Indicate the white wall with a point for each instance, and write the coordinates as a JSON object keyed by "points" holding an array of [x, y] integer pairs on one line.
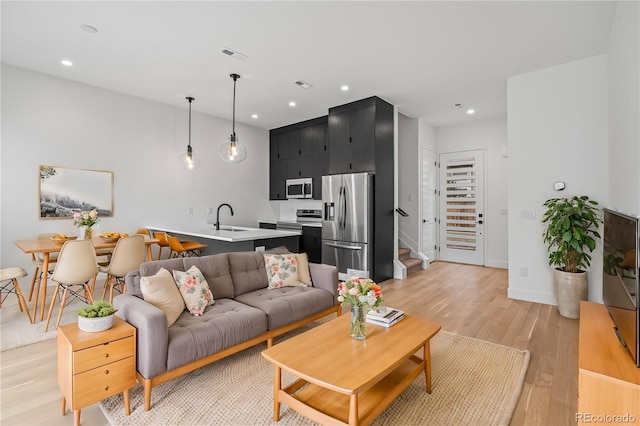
{"points": [[557, 131], [47, 120], [491, 136], [624, 109], [408, 181]]}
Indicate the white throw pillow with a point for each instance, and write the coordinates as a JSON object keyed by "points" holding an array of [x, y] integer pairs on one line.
{"points": [[282, 270], [194, 289], [160, 290]]}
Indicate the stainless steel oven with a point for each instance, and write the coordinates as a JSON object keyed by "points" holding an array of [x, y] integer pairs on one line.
{"points": [[300, 188]]}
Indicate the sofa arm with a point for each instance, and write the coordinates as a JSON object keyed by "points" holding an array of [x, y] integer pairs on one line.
{"points": [[152, 333], [325, 277], [132, 282]]}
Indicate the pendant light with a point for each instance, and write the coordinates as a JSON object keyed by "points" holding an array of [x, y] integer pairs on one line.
{"points": [[233, 152], [187, 160]]}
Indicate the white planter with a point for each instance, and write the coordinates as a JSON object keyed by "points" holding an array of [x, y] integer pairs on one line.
{"points": [[570, 289], [94, 325]]}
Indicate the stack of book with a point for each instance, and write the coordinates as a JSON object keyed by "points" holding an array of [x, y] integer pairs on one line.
{"points": [[384, 316]]}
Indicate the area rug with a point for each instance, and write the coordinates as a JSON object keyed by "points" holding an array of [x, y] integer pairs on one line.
{"points": [[474, 382], [16, 330]]}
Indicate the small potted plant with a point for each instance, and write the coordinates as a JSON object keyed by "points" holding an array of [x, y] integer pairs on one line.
{"points": [[571, 230], [96, 317]]}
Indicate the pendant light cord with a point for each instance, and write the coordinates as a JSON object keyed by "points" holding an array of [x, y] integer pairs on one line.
{"points": [[190, 99], [234, 105]]}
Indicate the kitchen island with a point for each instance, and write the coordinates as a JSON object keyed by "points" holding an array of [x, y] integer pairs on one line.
{"points": [[235, 238]]}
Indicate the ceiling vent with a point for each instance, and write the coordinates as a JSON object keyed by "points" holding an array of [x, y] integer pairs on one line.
{"points": [[234, 53], [303, 84]]}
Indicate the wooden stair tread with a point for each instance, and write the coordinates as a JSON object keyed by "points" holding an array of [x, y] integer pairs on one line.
{"points": [[411, 262]]}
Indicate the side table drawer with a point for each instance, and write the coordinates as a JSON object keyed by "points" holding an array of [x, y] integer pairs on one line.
{"points": [[104, 381], [95, 356]]}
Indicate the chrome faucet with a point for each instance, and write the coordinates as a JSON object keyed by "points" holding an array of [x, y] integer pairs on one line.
{"points": [[218, 214]]}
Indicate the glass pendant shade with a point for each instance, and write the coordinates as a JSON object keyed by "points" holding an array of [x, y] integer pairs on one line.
{"points": [[187, 160], [233, 151]]}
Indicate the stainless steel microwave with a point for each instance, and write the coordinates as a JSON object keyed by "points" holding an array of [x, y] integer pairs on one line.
{"points": [[300, 188]]}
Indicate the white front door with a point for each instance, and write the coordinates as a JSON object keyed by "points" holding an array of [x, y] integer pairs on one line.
{"points": [[429, 200], [461, 207]]}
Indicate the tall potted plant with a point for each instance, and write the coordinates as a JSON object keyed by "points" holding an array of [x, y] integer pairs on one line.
{"points": [[571, 230]]}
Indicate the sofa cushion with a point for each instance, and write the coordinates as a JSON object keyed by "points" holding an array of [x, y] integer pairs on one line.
{"points": [[225, 324], [286, 305], [282, 270], [194, 289], [247, 271], [161, 291], [215, 269]]}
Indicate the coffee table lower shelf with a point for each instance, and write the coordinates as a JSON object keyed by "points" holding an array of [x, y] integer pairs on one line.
{"points": [[328, 406]]}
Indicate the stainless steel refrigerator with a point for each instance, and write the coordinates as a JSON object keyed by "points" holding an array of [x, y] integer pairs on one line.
{"points": [[347, 222]]}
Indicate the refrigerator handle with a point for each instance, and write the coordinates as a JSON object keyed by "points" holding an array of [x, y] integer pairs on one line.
{"points": [[343, 246], [328, 211], [343, 207]]}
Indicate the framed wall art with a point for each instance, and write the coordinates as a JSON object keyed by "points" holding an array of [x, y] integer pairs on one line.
{"points": [[65, 191]]}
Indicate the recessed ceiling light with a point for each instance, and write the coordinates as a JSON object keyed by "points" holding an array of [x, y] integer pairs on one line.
{"points": [[292, 104], [344, 88], [66, 63], [254, 115], [471, 111], [88, 29]]}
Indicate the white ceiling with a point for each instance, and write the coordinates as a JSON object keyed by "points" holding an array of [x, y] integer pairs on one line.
{"points": [[421, 56]]}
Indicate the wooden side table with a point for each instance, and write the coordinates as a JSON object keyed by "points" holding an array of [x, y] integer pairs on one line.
{"points": [[95, 366]]}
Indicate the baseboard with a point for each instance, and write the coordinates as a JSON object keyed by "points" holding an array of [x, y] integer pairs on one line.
{"points": [[497, 264], [531, 296]]}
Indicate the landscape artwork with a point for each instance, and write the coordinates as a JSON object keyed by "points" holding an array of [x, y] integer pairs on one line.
{"points": [[65, 191]]}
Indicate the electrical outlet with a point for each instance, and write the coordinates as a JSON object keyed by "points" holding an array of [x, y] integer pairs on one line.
{"points": [[504, 212], [189, 210], [527, 214], [209, 210], [524, 271]]}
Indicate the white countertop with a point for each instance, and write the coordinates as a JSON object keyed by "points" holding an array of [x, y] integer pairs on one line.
{"points": [[230, 233]]}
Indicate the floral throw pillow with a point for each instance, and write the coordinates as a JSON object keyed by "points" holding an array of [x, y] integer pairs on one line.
{"points": [[194, 289], [282, 270]]}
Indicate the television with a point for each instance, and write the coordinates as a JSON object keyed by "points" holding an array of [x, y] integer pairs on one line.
{"points": [[620, 281]]}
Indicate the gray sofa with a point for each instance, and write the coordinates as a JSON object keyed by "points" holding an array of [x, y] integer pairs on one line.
{"points": [[245, 313]]}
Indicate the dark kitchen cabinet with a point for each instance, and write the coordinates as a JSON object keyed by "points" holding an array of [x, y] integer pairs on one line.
{"points": [[311, 243], [298, 151], [278, 170], [354, 135]]}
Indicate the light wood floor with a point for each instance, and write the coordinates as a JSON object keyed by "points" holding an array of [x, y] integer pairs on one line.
{"points": [[467, 300]]}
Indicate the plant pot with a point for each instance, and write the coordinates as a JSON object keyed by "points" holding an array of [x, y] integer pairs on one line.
{"points": [[96, 324], [570, 288]]}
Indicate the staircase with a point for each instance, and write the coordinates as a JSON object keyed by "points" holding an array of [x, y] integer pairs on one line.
{"points": [[412, 264]]}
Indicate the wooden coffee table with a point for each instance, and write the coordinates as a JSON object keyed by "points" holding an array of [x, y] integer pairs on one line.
{"points": [[349, 381]]}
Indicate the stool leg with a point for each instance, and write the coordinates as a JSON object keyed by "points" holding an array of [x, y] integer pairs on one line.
{"points": [[21, 301]]}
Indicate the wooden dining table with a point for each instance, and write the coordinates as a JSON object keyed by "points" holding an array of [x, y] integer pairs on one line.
{"points": [[48, 246]]}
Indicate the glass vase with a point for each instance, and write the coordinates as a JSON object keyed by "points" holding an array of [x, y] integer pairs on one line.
{"points": [[86, 232], [358, 323]]}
